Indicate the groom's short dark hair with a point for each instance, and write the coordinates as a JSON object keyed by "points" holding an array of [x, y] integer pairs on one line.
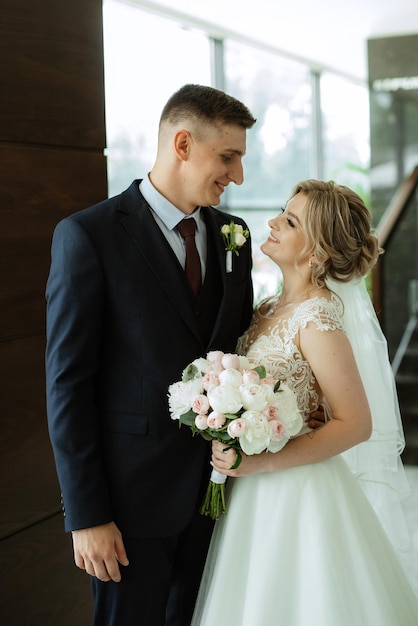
{"points": [[208, 104]]}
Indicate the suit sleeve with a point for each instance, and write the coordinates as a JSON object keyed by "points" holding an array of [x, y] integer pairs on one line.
{"points": [[74, 330]]}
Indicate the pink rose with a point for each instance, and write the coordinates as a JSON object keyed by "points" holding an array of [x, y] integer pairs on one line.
{"points": [[230, 361], [236, 428], [201, 422], [277, 430], [271, 412], [216, 420], [250, 377], [215, 368], [200, 404], [210, 380]]}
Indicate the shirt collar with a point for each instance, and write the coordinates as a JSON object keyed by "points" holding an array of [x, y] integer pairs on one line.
{"points": [[166, 211]]}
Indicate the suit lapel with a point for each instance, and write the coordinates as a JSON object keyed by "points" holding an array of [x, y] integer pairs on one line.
{"points": [[157, 253], [214, 222]]}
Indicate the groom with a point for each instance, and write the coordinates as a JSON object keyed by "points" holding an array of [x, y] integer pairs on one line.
{"points": [[122, 323]]}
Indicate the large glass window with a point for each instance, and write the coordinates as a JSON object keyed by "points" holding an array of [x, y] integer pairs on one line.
{"points": [[346, 134], [278, 147], [278, 155], [147, 58]]}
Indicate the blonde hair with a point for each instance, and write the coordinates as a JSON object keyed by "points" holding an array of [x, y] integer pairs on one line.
{"points": [[338, 232]]}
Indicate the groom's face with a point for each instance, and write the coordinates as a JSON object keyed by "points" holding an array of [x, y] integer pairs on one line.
{"points": [[214, 160]]}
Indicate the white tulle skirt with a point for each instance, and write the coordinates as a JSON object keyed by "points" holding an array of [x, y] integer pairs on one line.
{"points": [[303, 547]]}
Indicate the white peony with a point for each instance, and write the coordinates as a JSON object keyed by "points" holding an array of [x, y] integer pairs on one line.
{"points": [[258, 433], [289, 414], [182, 395], [276, 445], [254, 397], [201, 364], [244, 363], [225, 399], [230, 376]]}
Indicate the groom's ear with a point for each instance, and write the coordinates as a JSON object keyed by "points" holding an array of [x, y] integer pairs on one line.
{"points": [[181, 144]]}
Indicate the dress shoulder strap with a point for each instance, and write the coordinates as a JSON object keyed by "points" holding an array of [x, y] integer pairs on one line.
{"points": [[326, 314]]}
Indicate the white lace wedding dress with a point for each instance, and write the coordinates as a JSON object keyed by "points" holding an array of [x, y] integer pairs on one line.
{"points": [[301, 546]]}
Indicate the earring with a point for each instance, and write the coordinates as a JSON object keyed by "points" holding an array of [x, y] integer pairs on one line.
{"points": [[310, 264]]}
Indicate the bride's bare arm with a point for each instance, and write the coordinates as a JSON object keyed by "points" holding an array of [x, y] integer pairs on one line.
{"points": [[331, 358]]}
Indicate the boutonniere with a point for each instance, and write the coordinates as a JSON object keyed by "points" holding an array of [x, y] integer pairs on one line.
{"points": [[234, 237]]}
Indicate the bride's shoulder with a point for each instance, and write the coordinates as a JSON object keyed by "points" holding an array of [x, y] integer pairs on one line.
{"points": [[324, 309]]}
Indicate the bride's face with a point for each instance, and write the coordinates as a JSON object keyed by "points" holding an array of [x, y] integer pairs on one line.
{"points": [[287, 239]]}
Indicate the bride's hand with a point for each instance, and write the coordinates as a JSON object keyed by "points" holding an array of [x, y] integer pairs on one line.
{"points": [[224, 458]]}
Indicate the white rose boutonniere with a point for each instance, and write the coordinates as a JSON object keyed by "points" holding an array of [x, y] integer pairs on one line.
{"points": [[234, 237]]}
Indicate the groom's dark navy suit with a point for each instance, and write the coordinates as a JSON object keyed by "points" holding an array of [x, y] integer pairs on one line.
{"points": [[121, 326]]}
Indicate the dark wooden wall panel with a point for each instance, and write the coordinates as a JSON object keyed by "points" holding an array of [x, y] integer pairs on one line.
{"points": [[28, 484], [52, 140], [38, 187], [34, 570], [52, 72]]}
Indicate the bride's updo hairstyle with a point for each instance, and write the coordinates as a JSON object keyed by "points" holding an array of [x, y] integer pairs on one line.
{"points": [[338, 232]]}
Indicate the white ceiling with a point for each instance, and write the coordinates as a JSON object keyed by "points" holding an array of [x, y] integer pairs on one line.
{"points": [[333, 33]]}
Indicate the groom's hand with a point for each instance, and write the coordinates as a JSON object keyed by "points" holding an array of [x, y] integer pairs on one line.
{"points": [[99, 550], [317, 418]]}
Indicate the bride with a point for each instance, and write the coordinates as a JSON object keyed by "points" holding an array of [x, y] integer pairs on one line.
{"points": [[301, 544]]}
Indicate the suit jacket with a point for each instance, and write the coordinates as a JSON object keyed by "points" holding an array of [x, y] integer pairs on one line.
{"points": [[121, 327]]}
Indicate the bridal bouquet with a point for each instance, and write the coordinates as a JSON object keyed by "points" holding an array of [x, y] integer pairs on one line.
{"points": [[223, 397]]}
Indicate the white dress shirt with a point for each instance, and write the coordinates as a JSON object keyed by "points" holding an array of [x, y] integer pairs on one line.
{"points": [[168, 216]]}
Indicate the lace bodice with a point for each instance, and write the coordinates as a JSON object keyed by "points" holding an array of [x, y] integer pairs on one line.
{"points": [[274, 342]]}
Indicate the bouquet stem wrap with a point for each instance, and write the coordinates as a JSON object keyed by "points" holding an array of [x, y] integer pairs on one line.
{"points": [[214, 501]]}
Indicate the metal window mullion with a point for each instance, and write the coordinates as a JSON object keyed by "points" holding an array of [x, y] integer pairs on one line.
{"points": [[317, 148]]}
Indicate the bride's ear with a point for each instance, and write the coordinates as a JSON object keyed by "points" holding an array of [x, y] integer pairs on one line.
{"points": [[312, 261]]}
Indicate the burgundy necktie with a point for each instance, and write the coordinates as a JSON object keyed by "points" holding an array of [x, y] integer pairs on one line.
{"points": [[187, 229]]}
